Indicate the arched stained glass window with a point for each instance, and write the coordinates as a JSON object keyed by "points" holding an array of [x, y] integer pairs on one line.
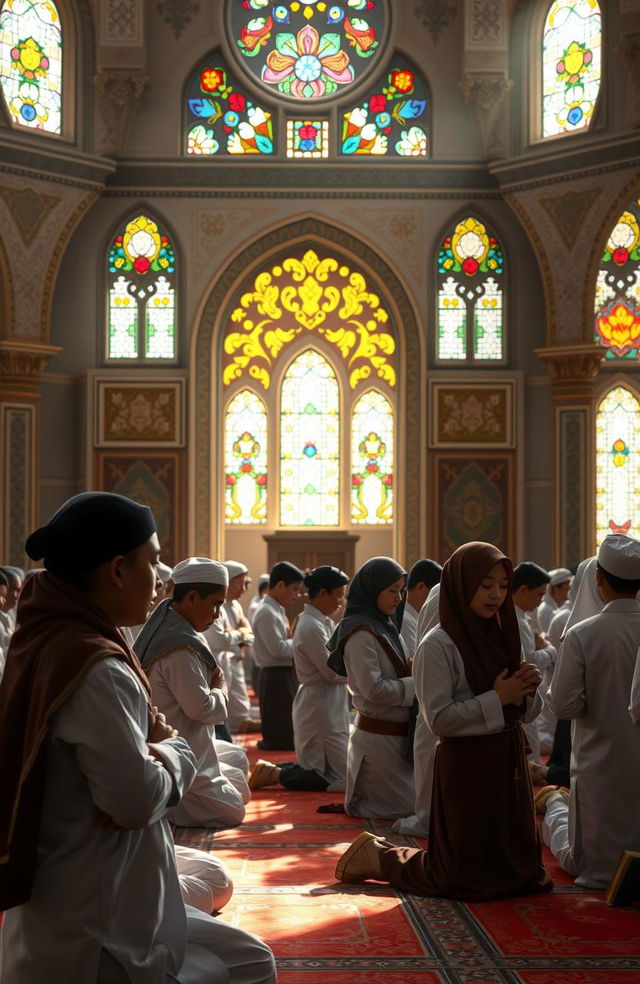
{"points": [[571, 61], [307, 50], [372, 460], [245, 459], [31, 63], [310, 443], [618, 464], [221, 118], [142, 293], [392, 119], [617, 300], [470, 318]]}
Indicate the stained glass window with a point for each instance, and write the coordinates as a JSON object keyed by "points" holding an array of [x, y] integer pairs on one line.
{"points": [[307, 138], [618, 464], [310, 443], [470, 315], [221, 117], [392, 120], [570, 65], [245, 459], [305, 49], [141, 293], [372, 460], [617, 300], [31, 63]]}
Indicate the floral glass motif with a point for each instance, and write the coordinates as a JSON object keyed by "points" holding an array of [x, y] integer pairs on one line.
{"points": [[571, 59], [31, 63], [142, 293], [310, 443], [372, 460], [617, 300], [391, 121], [470, 319], [307, 138], [618, 464], [221, 118], [308, 49], [245, 459]]}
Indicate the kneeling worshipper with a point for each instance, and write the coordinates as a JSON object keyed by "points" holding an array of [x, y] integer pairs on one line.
{"points": [[591, 687], [320, 708], [475, 691], [368, 649], [88, 875], [188, 687]]}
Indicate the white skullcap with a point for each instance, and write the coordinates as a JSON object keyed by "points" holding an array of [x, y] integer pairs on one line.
{"points": [[200, 570], [234, 567], [559, 575], [163, 571], [619, 555]]}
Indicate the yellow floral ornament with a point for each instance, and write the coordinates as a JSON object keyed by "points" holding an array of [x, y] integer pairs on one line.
{"points": [[470, 241], [309, 294], [141, 239]]}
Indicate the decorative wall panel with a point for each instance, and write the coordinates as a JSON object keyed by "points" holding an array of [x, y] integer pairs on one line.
{"points": [[574, 523], [473, 415], [154, 480], [18, 500], [131, 414], [473, 498]]}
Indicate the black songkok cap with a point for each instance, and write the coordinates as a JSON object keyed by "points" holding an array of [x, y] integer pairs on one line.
{"points": [[88, 530], [325, 576], [284, 571]]}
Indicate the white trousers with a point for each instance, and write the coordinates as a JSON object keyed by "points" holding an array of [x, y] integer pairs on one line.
{"points": [[555, 834], [205, 881]]}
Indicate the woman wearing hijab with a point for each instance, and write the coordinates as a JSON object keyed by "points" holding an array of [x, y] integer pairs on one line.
{"points": [[475, 692], [379, 775]]}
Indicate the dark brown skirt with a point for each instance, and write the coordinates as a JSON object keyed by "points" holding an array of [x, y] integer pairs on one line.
{"points": [[483, 836]]}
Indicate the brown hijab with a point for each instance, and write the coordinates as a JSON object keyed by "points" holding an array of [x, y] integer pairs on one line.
{"points": [[487, 645]]}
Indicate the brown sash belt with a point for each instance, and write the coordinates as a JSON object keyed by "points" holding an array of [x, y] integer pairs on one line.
{"points": [[378, 727]]}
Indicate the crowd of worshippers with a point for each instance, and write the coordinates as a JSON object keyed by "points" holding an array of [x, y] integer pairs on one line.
{"points": [[456, 701]]}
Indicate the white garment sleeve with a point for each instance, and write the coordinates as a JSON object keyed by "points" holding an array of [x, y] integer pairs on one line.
{"points": [[273, 639], [186, 676], [362, 659], [311, 639], [566, 696], [102, 720], [634, 700], [221, 637]]}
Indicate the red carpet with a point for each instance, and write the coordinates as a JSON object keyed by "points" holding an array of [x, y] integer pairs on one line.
{"points": [[282, 860]]}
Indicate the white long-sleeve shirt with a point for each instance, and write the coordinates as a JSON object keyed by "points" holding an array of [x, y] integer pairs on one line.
{"points": [[272, 645]]}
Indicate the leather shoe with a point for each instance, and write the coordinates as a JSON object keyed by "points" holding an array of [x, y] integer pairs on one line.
{"points": [[361, 860]]}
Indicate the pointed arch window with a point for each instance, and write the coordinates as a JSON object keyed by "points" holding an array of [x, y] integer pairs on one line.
{"points": [[310, 443], [617, 299], [141, 305], [372, 478], [245, 459], [31, 53], [470, 315], [571, 65], [618, 464]]}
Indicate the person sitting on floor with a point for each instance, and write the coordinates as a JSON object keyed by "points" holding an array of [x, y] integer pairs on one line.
{"points": [[188, 686], [475, 690], [273, 653], [591, 687], [89, 767], [320, 710]]}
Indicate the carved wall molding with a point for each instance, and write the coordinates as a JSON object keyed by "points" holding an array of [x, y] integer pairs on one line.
{"points": [[487, 93], [435, 15], [118, 92], [572, 369], [178, 14], [21, 366]]}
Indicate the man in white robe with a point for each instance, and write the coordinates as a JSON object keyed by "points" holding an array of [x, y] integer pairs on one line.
{"points": [[529, 586], [422, 577], [591, 686], [556, 594]]}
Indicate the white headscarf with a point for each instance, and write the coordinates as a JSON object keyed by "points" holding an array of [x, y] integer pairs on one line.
{"points": [[586, 600]]}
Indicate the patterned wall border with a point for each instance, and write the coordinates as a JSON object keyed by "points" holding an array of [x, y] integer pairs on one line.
{"points": [[574, 468], [17, 439], [204, 505], [140, 413], [459, 412]]}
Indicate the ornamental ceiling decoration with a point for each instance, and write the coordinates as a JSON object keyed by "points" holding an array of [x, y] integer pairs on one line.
{"points": [[303, 294]]}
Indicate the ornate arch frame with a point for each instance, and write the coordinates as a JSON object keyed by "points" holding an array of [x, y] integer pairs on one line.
{"points": [[205, 500]]}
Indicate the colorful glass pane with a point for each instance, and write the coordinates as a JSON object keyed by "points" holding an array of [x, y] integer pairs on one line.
{"points": [[392, 120], [372, 460], [31, 63], [142, 292], [470, 294], [307, 138], [617, 300], [618, 464], [571, 50], [221, 117], [245, 459], [307, 49], [310, 443]]}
